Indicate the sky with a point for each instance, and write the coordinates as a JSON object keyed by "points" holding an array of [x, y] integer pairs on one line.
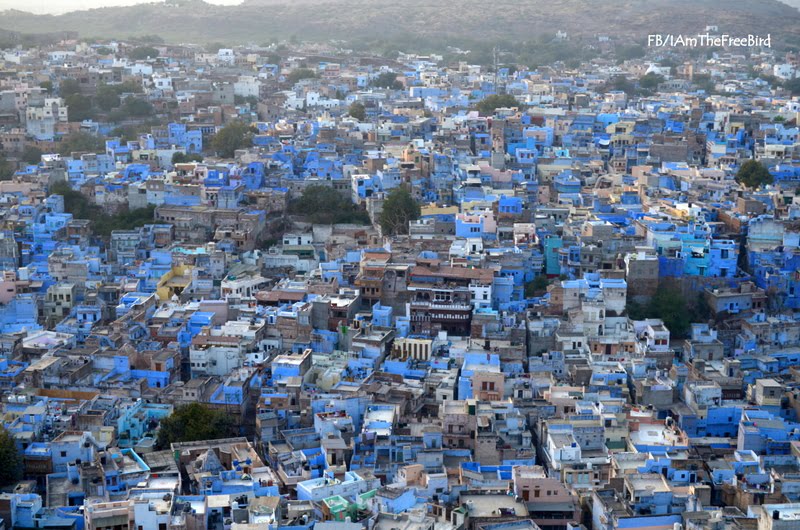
{"points": [[56, 7]]}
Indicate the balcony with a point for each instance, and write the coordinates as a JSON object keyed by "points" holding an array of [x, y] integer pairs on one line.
{"points": [[441, 306]]}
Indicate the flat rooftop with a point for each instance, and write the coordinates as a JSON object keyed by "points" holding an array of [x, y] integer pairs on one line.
{"points": [[492, 505]]}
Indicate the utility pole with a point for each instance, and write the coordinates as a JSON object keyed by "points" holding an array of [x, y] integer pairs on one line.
{"points": [[494, 58]]}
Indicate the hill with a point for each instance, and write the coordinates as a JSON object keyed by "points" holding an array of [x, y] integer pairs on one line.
{"points": [[9, 39], [423, 22]]}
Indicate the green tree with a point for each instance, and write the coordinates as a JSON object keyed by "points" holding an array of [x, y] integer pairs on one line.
{"points": [[753, 174], [669, 305], [79, 206], [107, 97], [136, 107], [10, 459], [103, 50], [793, 86], [537, 286], [69, 87], [195, 422], [214, 47], [131, 132], [387, 80], [299, 74], [650, 81], [235, 135], [357, 111], [48, 86], [489, 104], [80, 107], [321, 205], [81, 142], [619, 83], [704, 82], [630, 52], [6, 171], [184, 158], [151, 39], [32, 155], [143, 52], [398, 209]]}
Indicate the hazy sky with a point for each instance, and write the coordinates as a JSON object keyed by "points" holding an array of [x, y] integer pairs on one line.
{"points": [[63, 6]]}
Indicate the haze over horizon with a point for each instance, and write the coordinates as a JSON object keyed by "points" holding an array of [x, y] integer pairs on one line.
{"points": [[58, 7]]}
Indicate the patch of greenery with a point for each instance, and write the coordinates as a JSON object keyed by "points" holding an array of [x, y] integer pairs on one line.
{"points": [[103, 224], [81, 142], [184, 158], [754, 174], [32, 155], [399, 209], [634, 51], [6, 171], [195, 422], [143, 52], [793, 86], [235, 135], [650, 81], [619, 83], [69, 87], [357, 111], [322, 205], [299, 74], [79, 107], [108, 95], [537, 286], [10, 459], [704, 82], [387, 80], [671, 306], [489, 104], [132, 107]]}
